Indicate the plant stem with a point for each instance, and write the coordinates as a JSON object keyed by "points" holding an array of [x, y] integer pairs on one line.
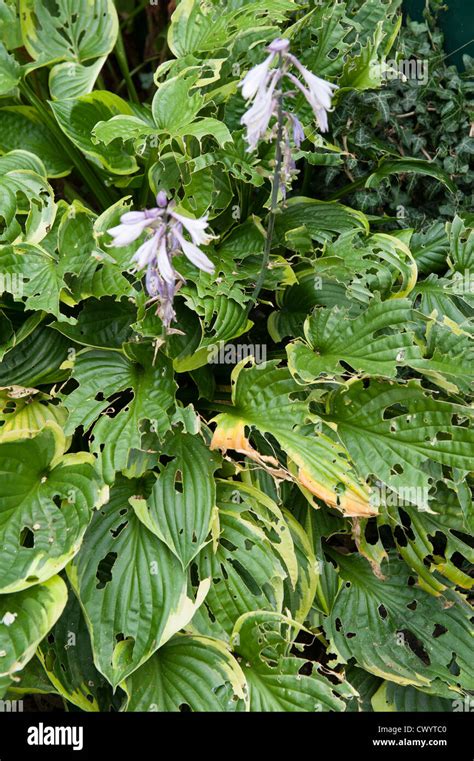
{"points": [[273, 204], [121, 57], [90, 178]]}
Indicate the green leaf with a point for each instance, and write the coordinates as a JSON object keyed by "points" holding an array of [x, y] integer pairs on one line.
{"points": [[101, 374], [180, 506], [318, 218], [262, 398], [24, 411], [36, 359], [32, 273], [32, 679], [195, 27], [69, 80], [248, 561], [77, 119], [133, 594], [25, 618], [188, 673], [101, 324], [375, 342], [394, 432], [388, 167], [398, 631], [411, 700], [67, 659], [174, 106], [10, 70], [60, 31], [40, 208], [22, 128], [277, 680], [436, 544], [47, 499]]}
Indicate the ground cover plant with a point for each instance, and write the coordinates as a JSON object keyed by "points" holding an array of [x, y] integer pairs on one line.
{"points": [[236, 352]]}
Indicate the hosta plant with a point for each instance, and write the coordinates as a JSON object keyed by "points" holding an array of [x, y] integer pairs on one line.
{"points": [[236, 443]]}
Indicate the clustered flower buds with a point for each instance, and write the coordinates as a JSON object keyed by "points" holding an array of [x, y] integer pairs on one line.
{"points": [[165, 228], [261, 86]]}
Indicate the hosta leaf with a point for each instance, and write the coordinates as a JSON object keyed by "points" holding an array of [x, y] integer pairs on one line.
{"points": [[40, 209], [196, 28], [261, 397], [66, 656], [318, 217], [393, 431], [22, 128], [134, 593], [398, 631], [26, 411], [102, 374], [34, 274], [32, 679], [69, 80], [19, 159], [461, 245], [449, 358], [25, 618], [102, 324], [47, 499], [189, 673], [10, 70], [223, 320], [246, 575], [179, 508], [430, 248], [406, 165], [36, 359], [174, 106], [278, 681], [60, 31], [365, 343], [441, 298], [411, 700], [435, 545], [77, 118]]}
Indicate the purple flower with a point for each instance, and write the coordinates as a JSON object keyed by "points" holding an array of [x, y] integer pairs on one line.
{"points": [[259, 86], [165, 240]]}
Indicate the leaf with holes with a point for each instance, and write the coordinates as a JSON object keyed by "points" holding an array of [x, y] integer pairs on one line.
{"points": [[61, 31], [277, 680], [401, 435], [262, 398], [189, 673], [134, 594], [25, 618], [101, 375], [47, 498], [180, 506], [399, 632], [377, 341]]}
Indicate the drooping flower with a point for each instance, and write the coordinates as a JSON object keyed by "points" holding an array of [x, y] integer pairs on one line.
{"points": [[260, 86], [165, 229]]}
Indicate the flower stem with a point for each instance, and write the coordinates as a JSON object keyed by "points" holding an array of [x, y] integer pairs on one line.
{"points": [[90, 178], [121, 57], [273, 204]]}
